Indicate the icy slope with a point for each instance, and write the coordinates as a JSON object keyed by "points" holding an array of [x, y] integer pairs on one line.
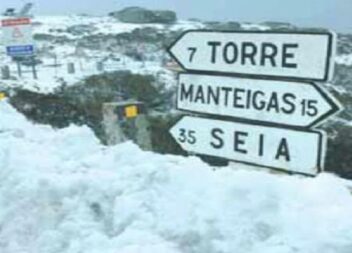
{"points": [[61, 192]]}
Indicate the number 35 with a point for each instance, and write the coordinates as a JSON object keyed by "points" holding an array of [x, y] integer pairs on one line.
{"points": [[187, 136]]}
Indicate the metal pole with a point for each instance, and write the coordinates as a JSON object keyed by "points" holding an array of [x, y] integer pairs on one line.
{"points": [[19, 70], [35, 76]]}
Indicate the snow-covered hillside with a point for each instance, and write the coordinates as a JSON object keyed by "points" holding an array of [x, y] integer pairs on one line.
{"points": [[58, 43], [62, 192], [87, 41], [61, 40]]}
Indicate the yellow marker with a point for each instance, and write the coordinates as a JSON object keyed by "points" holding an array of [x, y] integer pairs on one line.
{"points": [[2, 95], [131, 111]]}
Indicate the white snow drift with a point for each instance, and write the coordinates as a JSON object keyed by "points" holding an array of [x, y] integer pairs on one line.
{"points": [[62, 192]]}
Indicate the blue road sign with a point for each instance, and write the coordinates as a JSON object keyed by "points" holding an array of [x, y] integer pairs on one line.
{"points": [[20, 50]]}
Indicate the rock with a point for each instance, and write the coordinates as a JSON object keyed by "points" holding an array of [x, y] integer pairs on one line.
{"points": [[279, 25], [339, 129], [343, 78], [59, 30], [344, 44], [94, 42], [62, 39], [138, 15], [339, 155], [147, 35], [223, 26], [121, 41], [79, 30], [166, 17], [47, 109]]}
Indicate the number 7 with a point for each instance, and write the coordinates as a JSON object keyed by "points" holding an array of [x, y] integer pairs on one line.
{"points": [[193, 50]]}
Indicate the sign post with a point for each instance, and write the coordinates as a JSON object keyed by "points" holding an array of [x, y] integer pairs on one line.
{"points": [[19, 69], [262, 84], [17, 34], [34, 70]]}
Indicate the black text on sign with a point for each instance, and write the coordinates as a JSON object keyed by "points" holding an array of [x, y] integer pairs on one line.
{"points": [[270, 147], [303, 56]]}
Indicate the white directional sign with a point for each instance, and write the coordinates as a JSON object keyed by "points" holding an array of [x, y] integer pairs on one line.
{"points": [[17, 35], [289, 103], [290, 150], [303, 56]]}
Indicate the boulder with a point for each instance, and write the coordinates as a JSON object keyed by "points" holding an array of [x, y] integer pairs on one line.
{"points": [[223, 26], [344, 44], [62, 39], [279, 25], [339, 156], [138, 15], [79, 30]]}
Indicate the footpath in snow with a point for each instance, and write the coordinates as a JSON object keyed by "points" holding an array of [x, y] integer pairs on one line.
{"points": [[63, 192]]}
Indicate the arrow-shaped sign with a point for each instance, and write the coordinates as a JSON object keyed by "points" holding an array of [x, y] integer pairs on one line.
{"points": [[297, 55], [290, 150], [285, 103]]}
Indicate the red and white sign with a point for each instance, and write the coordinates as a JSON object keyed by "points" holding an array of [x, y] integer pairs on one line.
{"points": [[15, 22], [17, 32]]}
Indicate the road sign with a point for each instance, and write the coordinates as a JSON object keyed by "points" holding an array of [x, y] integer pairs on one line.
{"points": [[20, 50], [13, 22], [284, 149], [17, 34], [287, 103], [293, 55]]}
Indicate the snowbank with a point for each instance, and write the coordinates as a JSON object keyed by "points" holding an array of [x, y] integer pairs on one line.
{"points": [[62, 192], [345, 59]]}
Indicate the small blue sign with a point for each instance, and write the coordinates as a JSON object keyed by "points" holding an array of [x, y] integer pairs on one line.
{"points": [[20, 50]]}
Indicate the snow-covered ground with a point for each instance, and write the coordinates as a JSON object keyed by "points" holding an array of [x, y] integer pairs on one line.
{"points": [[344, 59], [102, 24], [50, 77], [63, 192], [85, 60]]}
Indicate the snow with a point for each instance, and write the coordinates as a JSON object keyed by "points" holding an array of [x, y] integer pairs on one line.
{"points": [[345, 59], [101, 24], [50, 78], [85, 61], [251, 26], [63, 192]]}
